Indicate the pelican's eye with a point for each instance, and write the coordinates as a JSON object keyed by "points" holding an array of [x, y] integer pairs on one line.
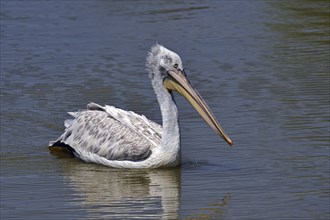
{"points": [[175, 65]]}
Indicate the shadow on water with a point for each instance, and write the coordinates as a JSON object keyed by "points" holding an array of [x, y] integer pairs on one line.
{"points": [[215, 210], [105, 193], [117, 194]]}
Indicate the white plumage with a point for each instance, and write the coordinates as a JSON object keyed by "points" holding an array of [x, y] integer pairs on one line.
{"points": [[123, 139]]}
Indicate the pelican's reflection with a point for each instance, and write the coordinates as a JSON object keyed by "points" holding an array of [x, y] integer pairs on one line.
{"points": [[119, 194]]}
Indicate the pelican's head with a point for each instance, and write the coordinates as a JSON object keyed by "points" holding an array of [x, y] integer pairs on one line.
{"points": [[165, 66]]}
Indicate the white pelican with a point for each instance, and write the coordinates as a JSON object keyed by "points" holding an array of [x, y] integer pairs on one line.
{"points": [[123, 139]]}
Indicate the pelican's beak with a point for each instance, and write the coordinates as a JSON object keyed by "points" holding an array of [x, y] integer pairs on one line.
{"points": [[177, 81]]}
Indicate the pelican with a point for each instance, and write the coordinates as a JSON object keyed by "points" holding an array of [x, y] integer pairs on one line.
{"points": [[123, 139]]}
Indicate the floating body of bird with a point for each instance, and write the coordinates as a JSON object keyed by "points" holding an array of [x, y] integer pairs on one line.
{"points": [[123, 139]]}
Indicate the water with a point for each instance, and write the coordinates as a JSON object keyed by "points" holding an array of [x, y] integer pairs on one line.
{"points": [[262, 66]]}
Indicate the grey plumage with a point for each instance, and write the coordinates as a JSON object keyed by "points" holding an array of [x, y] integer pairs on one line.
{"points": [[96, 130]]}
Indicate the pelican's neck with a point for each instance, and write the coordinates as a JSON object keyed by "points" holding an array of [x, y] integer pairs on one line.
{"points": [[170, 143]]}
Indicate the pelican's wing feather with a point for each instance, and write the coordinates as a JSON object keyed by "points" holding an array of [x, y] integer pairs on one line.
{"points": [[111, 133]]}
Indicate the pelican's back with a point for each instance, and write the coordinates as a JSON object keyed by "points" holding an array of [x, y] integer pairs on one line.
{"points": [[111, 133]]}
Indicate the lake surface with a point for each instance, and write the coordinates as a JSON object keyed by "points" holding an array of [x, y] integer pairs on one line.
{"points": [[262, 66]]}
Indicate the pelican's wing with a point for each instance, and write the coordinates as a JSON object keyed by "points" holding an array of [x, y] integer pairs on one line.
{"points": [[111, 133]]}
